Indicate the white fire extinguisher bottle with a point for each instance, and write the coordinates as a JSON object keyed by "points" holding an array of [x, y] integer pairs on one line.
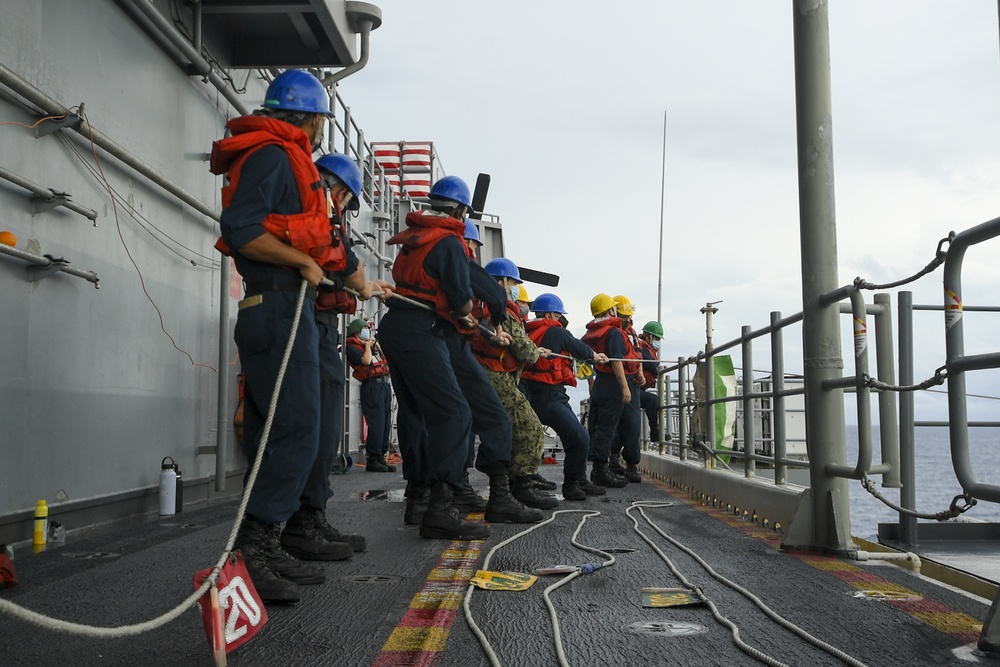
{"points": [[168, 487]]}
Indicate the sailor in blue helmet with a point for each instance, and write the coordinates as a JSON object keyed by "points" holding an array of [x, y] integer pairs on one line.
{"points": [[440, 388], [503, 366], [472, 239], [272, 187], [544, 384], [308, 532]]}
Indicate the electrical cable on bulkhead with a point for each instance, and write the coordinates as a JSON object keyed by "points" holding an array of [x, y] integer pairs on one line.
{"points": [[144, 223], [585, 569], [59, 625], [121, 237], [770, 613]]}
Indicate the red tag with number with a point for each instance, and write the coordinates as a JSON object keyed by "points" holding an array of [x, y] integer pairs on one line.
{"points": [[242, 611]]}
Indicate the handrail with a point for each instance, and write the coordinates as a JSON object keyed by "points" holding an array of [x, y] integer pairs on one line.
{"points": [[45, 266], [957, 363], [49, 198]]}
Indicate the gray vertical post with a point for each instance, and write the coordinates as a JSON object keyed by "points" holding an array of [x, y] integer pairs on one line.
{"points": [[662, 412], [682, 412], [222, 388], [778, 430], [885, 366], [709, 407], [347, 130], [822, 361], [748, 439], [907, 448]]}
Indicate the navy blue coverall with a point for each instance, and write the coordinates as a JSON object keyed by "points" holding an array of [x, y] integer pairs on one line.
{"points": [[551, 403], [263, 326], [606, 405], [436, 378]]}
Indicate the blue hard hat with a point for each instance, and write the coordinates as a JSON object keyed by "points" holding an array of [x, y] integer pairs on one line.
{"points": [[297, 90], [501, 267], [548, 303], [453, 189], [471, 231], [347, 171]]}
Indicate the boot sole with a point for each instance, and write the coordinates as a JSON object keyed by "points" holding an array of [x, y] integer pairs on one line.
{"points": [[469, 509], [548, 503], [342, 554], [507, 518], [290, 598]]}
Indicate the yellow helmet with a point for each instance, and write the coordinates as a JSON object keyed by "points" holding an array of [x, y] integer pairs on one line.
{"points": [[601, 303], [624, 306], [522, 294]]}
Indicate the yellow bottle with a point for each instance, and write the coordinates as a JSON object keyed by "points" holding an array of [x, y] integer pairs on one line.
{"points": [[41, 523]]}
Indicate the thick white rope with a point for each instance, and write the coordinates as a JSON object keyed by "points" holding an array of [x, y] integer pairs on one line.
{"points": [[487, 648], [17, 611], [773, 615]]}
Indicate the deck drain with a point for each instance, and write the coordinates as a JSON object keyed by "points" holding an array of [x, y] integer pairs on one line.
{"points": [[667, 628], [91, 555], [372, 579], [886, 596]]}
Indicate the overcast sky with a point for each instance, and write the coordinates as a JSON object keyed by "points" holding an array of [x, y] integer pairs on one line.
{"points": [[562, 103]]}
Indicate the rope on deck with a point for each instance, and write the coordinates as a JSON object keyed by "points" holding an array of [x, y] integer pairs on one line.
{"points": [[50, 623]]}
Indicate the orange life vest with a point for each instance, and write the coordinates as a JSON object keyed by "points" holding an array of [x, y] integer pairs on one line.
{"points": [[495, 358], [551, 370], [649, 354], [309, 231], [597, 338], [378, 367], [424, 231], [634, 352]]}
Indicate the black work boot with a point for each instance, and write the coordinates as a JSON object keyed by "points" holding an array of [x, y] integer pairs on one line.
{"points": [[443, 522], [571, 490], [285, 565], [632, 474], [602, 476], [542, 483], [303, 539], [503, 507], [251, 540], [417, 495], [331, 534], [591, 489], [378, 464], [525, 490], [465, 499]]}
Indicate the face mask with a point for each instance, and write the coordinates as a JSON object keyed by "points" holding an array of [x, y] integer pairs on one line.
{"points": [[514, 292], [655, 344], [523, 309], [365, 334], [317, 141]]}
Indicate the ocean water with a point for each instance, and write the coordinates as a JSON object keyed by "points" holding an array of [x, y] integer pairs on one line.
{"points": [[936, 484]]}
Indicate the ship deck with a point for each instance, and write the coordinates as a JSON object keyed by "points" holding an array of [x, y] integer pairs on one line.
{"points": [[400, 602]]}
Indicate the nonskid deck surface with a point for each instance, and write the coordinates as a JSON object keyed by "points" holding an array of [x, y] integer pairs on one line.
{"points": [[400, 602]]}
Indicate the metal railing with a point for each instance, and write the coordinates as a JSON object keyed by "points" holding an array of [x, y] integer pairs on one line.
{"points": [[759, 432]]}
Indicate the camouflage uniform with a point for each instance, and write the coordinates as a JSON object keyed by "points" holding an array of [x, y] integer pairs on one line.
{"points": [[529, 436]]}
